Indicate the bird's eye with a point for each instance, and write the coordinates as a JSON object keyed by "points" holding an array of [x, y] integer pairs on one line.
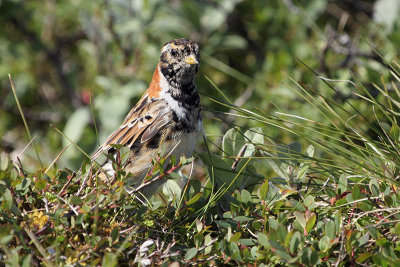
{"points": [[174, 53]]}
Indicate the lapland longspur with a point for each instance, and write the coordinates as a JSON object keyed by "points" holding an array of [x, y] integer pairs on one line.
{"points": [[168, 113]]}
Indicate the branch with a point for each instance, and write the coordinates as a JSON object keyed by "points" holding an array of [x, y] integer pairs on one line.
{"points": [[153, 180]]}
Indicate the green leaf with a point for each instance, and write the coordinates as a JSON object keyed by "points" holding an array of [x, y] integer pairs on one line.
{"points": [[349, 198], [4, 159], [252, 138], [374, 187], [6, 234], [110, 259], [257, 226], [173, 189], [7, 199], [114, 233], [310, 151], [309, 202], [302, 172], [245, 196], [24, 184], [381, 260], [301, 219], [395, 132], [27, 261], [363, 240], [235, 251], [255, 135], [324, 244], [86, 208], [281, 233], [309, 257], [263, 191], [212, 18], [198, 239], [356, 193], [288, 237], [340, 202], [113, 107], [263, 240], [295, 242], [184, 160], [194, 199], [218, 168], [396, 229], [311, 222], [6, 239], [223, 224], [279, 250], [329, 192], [13, 260], [330, 229], [175, 175], [273, 224], [124, 152], [41, 184], [278, 166], [76, 200], [373, 231], [246, 242], [227, 215], [207, 240], [190, 253], [342, 184], [242, 219], [283, 152], [235, 237], [363, 257], [381, 241], [232, 142]]}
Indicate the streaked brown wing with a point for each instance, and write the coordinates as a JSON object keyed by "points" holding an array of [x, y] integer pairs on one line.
{"points": [[141, 125]]}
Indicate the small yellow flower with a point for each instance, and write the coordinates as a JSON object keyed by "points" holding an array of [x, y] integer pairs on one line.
{"points": [[38, 219]]}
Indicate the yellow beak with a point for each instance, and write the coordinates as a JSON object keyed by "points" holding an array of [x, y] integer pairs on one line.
{"points": [[191, 60]]}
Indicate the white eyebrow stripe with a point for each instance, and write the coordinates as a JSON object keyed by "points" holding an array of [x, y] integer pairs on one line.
{"points": [[166, 48]]}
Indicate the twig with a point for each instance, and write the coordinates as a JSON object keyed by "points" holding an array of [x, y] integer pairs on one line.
{"points": [[341, 252], [69, 205], [208, 244], [239, 157], [84, 181], [38, 246], [183, 192], [378, 210], [46, 202], [58, 156], [159, 177], [23, 119], [21, 168], [65, 185]]}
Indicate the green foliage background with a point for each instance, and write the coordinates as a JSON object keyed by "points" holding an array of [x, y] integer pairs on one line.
{"points": [[79, 66]]}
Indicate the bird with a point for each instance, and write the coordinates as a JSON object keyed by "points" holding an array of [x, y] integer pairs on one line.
{"points": [[167, 114]]}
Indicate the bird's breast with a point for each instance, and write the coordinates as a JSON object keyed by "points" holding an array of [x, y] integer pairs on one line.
{"points": [[183, 143]]}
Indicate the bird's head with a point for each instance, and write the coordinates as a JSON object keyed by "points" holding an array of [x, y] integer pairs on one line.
{"points": [[179, 61]]}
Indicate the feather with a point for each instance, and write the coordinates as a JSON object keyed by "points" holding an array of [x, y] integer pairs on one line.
{"points": [[140, 125]]}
